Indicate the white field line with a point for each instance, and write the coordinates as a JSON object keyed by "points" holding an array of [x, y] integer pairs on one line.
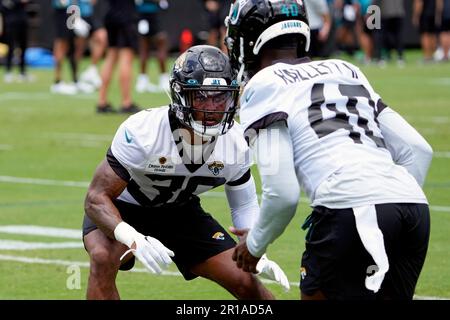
{"points": [[85, 140], [69, 263], [42, 231], [10, 96], [434, 119], [5, 147], [44, 182], [25, 245], [79, 136], [440, 81], [81, 184], [442, 154], [294, 285]]}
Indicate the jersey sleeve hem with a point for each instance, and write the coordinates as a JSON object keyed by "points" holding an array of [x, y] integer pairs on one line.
{"points": [[253, 130], [117, 166], [242, 180]]}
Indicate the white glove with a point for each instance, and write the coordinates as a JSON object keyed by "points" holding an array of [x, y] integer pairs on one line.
{"points": [[150, 251], [271, 270]]}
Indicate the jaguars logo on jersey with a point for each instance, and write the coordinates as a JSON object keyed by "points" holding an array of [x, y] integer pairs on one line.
{"points": [[218, 236], [215, 167]]}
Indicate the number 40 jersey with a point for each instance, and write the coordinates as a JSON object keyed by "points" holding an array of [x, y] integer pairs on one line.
{"points": [[331, 110]]}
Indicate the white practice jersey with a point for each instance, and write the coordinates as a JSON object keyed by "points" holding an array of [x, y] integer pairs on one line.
{"points": [[149, 147], [331, 111]]}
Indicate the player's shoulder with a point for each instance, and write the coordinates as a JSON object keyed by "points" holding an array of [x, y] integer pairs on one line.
{"points": [[143, 128], [343, 63], [143, 116], [236, 136], [146, 121], [263, 78], [137, 136]]}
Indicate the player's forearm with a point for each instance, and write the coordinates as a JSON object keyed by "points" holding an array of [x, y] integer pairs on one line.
{"points": [[280, 188], [101, 210], [276, 213], [243, 203], [407, 147]]}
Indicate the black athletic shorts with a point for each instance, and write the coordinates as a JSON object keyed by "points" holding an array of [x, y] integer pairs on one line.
{"points": [[95, 24], [427, 24], [216, 20], [191, 233], [445, 26], [60, 18], [154, 22], [122, 35], [336, 262]]}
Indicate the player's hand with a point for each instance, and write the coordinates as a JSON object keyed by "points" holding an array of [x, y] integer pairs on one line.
{"points": [[244, 259], [150, 251], [271, 270]]}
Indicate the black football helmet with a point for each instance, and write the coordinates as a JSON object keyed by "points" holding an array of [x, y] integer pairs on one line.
{"points": [[252, 23], [204, 91]]}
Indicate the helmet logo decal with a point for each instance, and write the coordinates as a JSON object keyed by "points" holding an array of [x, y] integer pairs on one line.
{"points": [[289, 11], [291, 24], [192, 81], [214, 82]]}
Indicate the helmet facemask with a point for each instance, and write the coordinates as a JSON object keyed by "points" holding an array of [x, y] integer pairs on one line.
{"points": [[211, 112], [204, 91]]}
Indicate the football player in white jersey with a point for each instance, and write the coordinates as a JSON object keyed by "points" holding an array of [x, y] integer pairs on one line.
{"points": [[142, 201], [319, 126]]}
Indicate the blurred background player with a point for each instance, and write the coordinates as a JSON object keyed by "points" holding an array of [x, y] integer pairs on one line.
{"points": [[320, 24], [365, 35], [444, 35], [390, 37], [217, 11], [98, 38], [425, 17], [67, 44], [346, 12], [150, 32], [120, 23], [61, 46], [15, 34]]}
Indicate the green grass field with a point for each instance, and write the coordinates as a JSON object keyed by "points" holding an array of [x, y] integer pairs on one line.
{"points": [[49, 140]]}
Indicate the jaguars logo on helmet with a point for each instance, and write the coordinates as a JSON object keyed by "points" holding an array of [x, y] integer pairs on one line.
{"points": [[204, 71], [252, 24]]}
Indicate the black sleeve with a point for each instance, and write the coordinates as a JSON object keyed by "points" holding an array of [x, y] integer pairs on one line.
{"points": [[245, 177], [381, 106], [263, 123], [117, 167]]}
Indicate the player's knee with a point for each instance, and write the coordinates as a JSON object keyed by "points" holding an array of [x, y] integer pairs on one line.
{"points": [[102, 260], [247, 287]]}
